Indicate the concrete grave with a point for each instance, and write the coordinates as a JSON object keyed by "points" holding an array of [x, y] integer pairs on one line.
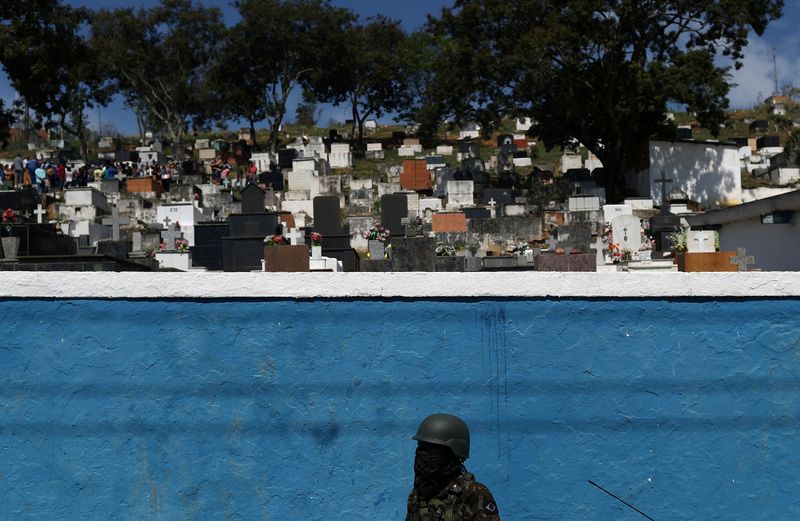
{"points": [[700, 241], [627, 232]]}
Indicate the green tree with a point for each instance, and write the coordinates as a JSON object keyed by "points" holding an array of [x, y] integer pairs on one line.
{"points": [[370, 75], [307, 112], [52, 65], [159, 57], [277, 46], [602, 72]]}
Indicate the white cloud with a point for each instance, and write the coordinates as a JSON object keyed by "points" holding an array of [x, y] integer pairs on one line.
{"points": [[756, 75]]}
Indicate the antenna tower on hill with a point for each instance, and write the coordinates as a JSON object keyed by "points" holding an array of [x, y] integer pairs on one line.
{"points": [[775, 91]]}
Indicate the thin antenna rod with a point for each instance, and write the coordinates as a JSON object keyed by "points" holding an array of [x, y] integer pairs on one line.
{"points": [[775, 92], [620, 499]]}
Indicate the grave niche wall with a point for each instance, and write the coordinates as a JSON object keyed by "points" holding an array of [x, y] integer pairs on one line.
{"points": [[667, 402]]}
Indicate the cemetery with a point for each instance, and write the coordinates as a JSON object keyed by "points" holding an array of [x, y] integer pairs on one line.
{"points": [[450, 200]]}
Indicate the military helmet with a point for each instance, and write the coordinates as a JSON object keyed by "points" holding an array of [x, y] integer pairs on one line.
{"points": [[445, 429]]}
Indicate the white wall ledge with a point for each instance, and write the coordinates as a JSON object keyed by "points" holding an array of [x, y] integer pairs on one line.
{"points": [[131, 285]]}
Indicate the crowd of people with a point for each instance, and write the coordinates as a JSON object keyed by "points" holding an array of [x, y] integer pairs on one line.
{"points": [[50, 175]]}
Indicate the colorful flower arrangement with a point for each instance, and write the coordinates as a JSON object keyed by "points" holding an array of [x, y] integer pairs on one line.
{"points": [[276, 240], [162, 246], [377, 233], [445, 250], [316, 239], [182, 245], [678, 238], [9, 216]]}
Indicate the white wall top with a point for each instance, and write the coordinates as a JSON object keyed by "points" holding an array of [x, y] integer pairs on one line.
{"points": [[133, 285]]}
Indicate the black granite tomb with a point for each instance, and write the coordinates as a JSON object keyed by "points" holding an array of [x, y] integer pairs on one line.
{"points": [[252, 199], [286, 156], [394, 208], [500, 195], [243, 249], [477, 213], [327, 215], [207, 251], [413, 254]]}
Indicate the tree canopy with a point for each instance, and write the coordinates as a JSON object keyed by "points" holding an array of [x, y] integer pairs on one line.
{"points": [[602, 72], [160, 57]]}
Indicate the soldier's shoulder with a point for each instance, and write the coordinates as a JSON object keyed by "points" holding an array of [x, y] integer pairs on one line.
{"points": [[477, 488], [479, 501]]}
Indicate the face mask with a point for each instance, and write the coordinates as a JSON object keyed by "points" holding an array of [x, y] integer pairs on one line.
{"points": [[434, 465]]}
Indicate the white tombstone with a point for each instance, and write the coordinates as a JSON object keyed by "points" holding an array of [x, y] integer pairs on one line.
{"points": [[340, 156], [584, 203], [433, 204], [174, 260], [592, 163], [639, 203], [374, 147], [361, 184], [388, 188], [405, 151], [524, 124], [202, 143], [301, 179], [460, 194], [626, 231], [444, 150], [371, 124], [262, 160], [515, 210], [86, 197], [610, 211], [700, 241], [522, 161], [412, 198], [571, 161], [185, 213], [304, 165]]}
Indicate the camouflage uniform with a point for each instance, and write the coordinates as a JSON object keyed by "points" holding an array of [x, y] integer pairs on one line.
{"points": [[464, 499]]}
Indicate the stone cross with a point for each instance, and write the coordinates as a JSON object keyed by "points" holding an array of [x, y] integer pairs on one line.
{"points": [[742, 259], [114, 221], [552, 243], [166, 221], [295, 237], [39, 213], [663, 181], [492, 203], [170, 235]]}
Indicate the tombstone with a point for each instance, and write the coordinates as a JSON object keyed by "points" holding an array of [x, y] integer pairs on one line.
{"points": [[413, 254], [286, 156], [327, 216], [574, 238], [459, 194], [610, 211], [253, 199], [243, 248], [394, 208], [207, 251], [661, 226], [477, 213], [700, 241], [443, 176], [469, 150], [627, 232], [115, 221], [505, 140]]}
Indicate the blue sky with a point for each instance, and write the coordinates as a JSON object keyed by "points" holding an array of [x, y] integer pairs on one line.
{"points": [[753, 79]]}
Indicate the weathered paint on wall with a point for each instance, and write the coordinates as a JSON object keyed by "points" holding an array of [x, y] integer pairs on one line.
{"points": [[284, 409]]}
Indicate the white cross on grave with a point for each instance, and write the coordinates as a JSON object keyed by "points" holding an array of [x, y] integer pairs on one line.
{"points": [[552, 243], [114, 221], [492, 203], [39, 213], [295, 237], [170, 235], [742, 259]]}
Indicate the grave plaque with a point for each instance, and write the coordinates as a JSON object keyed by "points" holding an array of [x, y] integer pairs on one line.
{"points": [[574, 237], [413, 254], [327, 215], [626, 231], [286, 258], [700, 241], [394, 208]]}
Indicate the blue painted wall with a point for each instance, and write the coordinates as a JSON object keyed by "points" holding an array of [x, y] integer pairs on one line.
{"points": [[284, 410]]}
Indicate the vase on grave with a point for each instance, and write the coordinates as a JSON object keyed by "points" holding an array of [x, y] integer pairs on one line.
{"points": [[316, 252], [411, 231], [377, 249], [10, 247]]}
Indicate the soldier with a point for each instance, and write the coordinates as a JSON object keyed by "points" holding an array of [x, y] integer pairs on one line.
{"points": [[443, 489]]}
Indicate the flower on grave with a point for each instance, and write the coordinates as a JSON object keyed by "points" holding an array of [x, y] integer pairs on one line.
{"points": [[606, 233], [276, 240], [647, 242], [678, 238], [316, 239], [615, 253], [181, 245], [377, 233], [9, 216], [626, 255], [445, 250]]}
